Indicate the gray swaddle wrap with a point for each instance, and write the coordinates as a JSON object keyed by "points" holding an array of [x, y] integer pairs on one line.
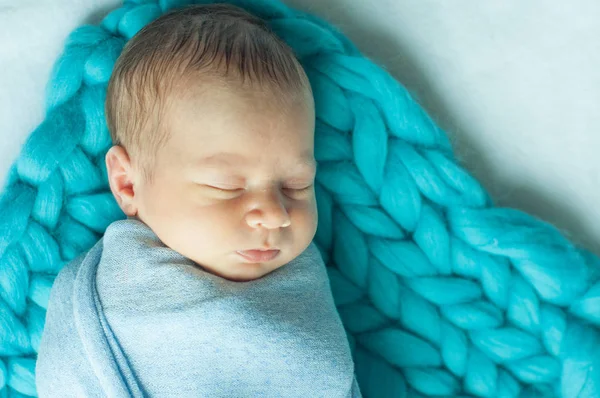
{"points": [[133, 317]]}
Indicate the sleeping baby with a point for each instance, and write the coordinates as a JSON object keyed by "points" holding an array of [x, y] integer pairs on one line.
{"points": [[212, 286]]}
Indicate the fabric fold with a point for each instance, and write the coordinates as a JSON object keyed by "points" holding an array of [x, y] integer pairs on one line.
{"points": [[148, 321]]}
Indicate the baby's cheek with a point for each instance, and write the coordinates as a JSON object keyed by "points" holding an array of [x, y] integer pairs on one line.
{"points": [[304, 219], [309, 208], [210, 215]]}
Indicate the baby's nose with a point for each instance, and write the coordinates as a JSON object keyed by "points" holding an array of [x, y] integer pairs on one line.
{"points": [[269, 218], [269, 212]]}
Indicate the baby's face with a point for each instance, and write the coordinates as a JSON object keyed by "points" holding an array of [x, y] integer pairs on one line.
{"points": [[237, 174]]}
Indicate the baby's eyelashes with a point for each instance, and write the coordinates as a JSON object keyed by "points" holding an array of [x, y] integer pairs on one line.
{"points": [[295, 190]]}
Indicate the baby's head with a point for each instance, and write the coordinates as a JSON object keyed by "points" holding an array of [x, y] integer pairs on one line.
{"points": [[212, 120]]}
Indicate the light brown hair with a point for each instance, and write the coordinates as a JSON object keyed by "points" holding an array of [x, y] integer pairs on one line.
{"points": [[221, 42]]}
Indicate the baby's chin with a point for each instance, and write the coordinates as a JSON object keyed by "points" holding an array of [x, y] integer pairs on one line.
{"points": [[241, 271], [246, 274]]}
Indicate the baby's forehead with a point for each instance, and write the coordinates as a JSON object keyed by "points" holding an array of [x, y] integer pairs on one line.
{"points": [[211, 89], [225, 117]]}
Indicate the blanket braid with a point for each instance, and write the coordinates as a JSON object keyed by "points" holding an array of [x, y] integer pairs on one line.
{"points": [[441, 292]]}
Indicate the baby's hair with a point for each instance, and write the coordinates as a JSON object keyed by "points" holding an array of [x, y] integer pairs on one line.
{"points": [[207, 42]]}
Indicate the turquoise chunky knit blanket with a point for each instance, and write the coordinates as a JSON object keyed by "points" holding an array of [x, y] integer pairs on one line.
{"points": [[441, 293]]}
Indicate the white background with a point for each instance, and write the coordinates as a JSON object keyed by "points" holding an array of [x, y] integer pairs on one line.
{"points": [[515, 84]]}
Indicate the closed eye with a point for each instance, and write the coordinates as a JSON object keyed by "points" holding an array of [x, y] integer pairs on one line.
{"points": [[300, 189], [225, 189], [234, 190]]}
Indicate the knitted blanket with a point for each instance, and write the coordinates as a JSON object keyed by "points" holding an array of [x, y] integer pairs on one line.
{"points": [[441, 292]]}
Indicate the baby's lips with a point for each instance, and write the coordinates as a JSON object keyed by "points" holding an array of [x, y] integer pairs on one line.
{"points": [[258, 255]]}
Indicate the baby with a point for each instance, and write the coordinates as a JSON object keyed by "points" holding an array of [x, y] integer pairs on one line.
{"points": [[202, 153], [212, 286]]}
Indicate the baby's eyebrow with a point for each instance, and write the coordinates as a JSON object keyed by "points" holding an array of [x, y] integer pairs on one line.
{"points": [[234, 159]]}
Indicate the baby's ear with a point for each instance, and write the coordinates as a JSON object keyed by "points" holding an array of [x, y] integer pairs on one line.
{"points": [[120, 178]]}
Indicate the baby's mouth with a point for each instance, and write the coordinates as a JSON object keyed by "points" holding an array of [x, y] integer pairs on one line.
{"points": [[258, 255]]}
